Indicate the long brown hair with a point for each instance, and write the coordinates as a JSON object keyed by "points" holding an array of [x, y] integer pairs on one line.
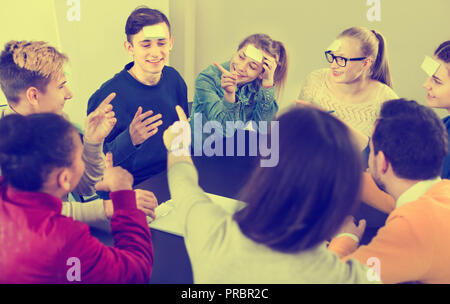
{"points": [[303, 201], [373, 45], [274, 48]]}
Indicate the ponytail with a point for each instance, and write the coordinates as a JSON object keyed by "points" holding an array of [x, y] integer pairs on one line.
{"points": [[380, 69], [373, 45], [282, 66]]}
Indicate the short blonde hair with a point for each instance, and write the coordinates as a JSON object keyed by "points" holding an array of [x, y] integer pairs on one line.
{"points": [[28, 63]]}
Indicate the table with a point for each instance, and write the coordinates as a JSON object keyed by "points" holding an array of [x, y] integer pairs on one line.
{"points": [[220, 175]]}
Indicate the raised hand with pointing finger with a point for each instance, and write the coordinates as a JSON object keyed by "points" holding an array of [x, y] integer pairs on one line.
{"points": [[144, 126], [228, 82], [244, 88], [177, 138], [114, 178], [100, 122]]}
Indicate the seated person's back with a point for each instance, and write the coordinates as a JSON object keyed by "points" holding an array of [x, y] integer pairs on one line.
{"points": [[40, 159], [291, 210]]}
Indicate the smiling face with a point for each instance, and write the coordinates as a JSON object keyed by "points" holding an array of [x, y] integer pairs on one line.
{"points": [[246, 68], [354, 70], [151, 54], [438, 86], [55, 96]]}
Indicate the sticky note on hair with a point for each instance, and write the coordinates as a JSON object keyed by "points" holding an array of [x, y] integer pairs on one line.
{"points": [[334, 46], [430, 66], [254, 53], [154, 32]]}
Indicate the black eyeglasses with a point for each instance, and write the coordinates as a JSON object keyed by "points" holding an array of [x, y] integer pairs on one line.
{"points": [[341, 61]]}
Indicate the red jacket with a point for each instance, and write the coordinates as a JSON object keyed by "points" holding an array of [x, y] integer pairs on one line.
{"points": [[39, 245]]}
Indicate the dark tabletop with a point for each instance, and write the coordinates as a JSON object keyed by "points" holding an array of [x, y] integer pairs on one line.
{"points": [[220, 175]]}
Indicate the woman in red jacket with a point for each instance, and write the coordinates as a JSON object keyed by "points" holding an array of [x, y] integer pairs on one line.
{"points": [[40, 159]]}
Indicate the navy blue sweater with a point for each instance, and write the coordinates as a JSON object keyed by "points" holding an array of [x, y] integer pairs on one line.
{"points": [[149, 158]]}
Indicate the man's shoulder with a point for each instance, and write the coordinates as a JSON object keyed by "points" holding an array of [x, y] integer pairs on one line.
{"points": [[117, 79], [6, 110], [3, 111], [109, 86], [172, 73], [440, 191], [437, 197], [170, 69], [446, 121]]}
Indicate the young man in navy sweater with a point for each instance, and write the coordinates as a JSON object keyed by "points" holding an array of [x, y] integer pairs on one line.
{"points": [[147, 92]]}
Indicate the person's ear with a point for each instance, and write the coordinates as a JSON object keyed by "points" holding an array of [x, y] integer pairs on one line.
{"points": [[383, 163], [171, 43], [129, 48], [367, 64], [64, 177], [32, 96]]}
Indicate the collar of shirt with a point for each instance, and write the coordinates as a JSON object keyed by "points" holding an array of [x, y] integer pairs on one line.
{"points": [[131, 77], [34, 200], [6, 111], [416, 191]]}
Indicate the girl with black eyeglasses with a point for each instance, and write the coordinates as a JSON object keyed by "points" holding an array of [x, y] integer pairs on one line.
{"points": [[357, 81]]}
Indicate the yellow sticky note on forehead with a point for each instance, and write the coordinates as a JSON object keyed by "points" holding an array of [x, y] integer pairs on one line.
{"points": [[154, 32], [430, 66], [334, 46], [254, 53]]}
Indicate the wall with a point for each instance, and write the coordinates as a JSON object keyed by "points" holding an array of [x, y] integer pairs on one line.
{"points": [[27, 20], [210, 30], [94, 44], [412, 29], [183, 23]]}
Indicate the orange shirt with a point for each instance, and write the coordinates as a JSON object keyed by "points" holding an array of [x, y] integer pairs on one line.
{"points": [[414, 244]]}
